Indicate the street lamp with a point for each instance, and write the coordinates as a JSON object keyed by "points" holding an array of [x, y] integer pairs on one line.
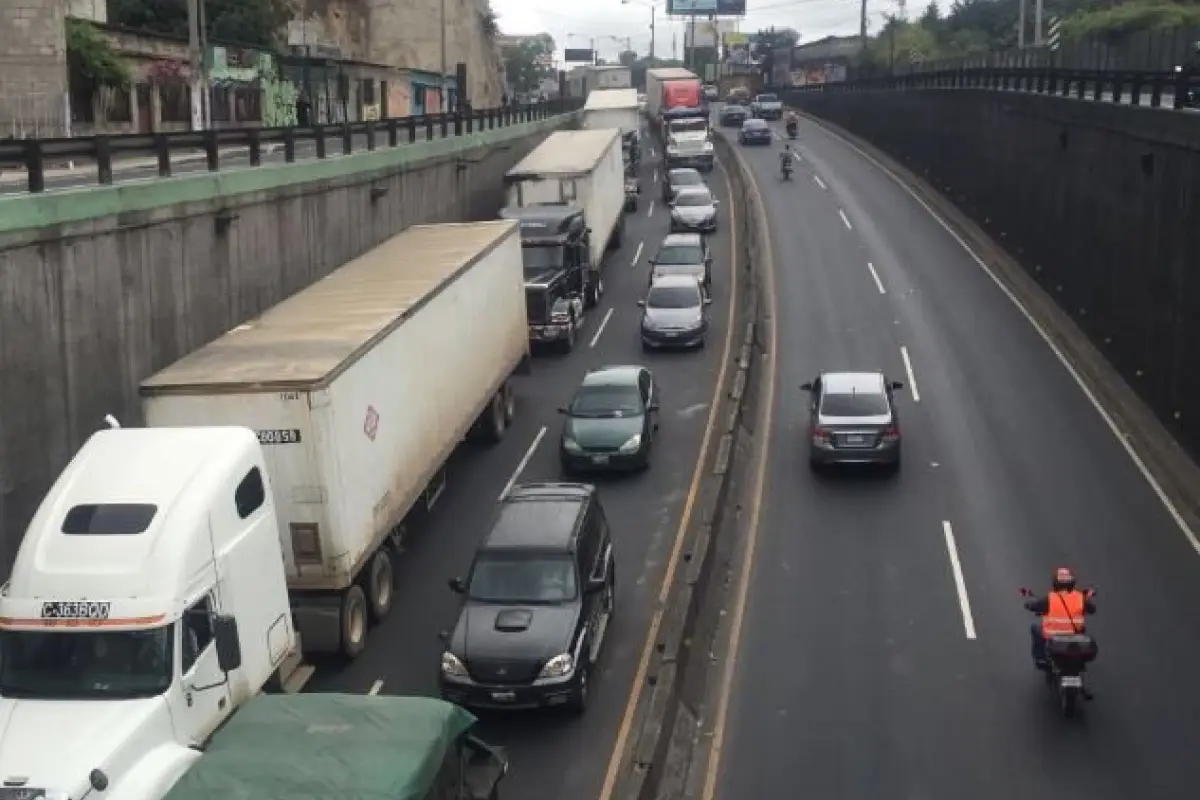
{"points": [[653, 11]]}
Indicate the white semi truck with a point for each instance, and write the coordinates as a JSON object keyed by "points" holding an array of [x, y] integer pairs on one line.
{"points": [[359, 388], [146, 604]]}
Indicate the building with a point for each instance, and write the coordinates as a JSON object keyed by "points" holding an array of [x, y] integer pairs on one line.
{"points": [[33, 70], [825, 60]]}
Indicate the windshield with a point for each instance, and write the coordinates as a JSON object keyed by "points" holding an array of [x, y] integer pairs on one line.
{"points": [[673, 297], [66, 665], [679, 254], [539, 259], [693, 199], [686, 178], [859, 404], [605, 401], [523, 579], [694, 126], [768, 98]]}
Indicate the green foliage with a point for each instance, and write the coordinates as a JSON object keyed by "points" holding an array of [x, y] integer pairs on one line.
{"points": [[92, 60], [259, 23], [1114, 23], [489, 23], [528, 62]]}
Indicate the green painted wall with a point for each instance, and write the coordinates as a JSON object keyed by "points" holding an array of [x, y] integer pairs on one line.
{"points": [[23, 212]]}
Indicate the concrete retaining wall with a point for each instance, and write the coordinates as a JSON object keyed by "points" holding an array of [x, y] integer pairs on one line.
{"points": [[101, 287]]}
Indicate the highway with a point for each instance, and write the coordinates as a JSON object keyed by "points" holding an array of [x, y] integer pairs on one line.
{"points": [[883, 650], [128, 170], [554, 755]]}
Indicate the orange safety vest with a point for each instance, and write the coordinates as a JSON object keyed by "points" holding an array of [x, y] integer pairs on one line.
{"points": [[1064, 614]]}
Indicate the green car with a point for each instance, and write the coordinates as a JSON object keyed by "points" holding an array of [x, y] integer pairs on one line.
{"points": [[611, 421]]}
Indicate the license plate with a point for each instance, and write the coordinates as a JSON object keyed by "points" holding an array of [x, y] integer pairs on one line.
{"points": [[856, 438], [599, 459], [504, 697], [1072, 682]]}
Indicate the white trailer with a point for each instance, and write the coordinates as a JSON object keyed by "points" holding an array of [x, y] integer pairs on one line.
{"points": [[612, 108], [581, 167], [655, 78], [359, 388], [583, 80]]}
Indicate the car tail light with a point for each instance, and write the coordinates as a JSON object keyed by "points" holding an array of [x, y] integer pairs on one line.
{"points": [[891, 434], [821, 435]]}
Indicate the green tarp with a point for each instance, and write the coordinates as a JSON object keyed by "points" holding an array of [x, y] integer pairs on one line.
{"points": [[326, 747]]}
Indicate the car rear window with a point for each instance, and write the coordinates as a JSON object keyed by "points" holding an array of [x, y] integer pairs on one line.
{"points": [[673, 297], [687, 178], [859, 404], [680, 254], [694, 198]]}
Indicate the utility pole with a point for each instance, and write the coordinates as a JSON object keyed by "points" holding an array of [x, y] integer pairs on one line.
{"points": [[653, 11], [1021, 25], [862, 24], [195, 84], [205, 90], [1038, 37], [442, 82]]}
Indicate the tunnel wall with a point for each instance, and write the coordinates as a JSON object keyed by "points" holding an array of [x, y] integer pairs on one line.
{"points": [[1099, 203], [118, 282]]}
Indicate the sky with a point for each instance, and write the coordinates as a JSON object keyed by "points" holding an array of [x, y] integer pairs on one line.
{"points": [[572, 24]]}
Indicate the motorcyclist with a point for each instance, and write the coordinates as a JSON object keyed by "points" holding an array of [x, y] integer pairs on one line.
{"points": [[1063, 612], [791, 122], [786, 157]]}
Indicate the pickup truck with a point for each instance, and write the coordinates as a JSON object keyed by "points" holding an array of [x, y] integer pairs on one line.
{"points": [[766, 106]]}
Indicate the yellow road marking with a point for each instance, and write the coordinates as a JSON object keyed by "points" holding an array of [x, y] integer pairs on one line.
{"points": [[755, 503], [639, 679]]}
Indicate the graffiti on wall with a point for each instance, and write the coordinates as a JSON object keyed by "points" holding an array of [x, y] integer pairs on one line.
{"points": [[254, 68]]}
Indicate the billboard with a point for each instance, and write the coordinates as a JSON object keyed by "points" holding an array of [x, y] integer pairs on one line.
{"points": [[707, 8], [577, 55]]}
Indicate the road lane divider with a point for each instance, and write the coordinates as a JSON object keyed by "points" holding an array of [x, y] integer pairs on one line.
{"points": [[845, 220], [650, 210], [960, 583], [819, 182], [1169, 472], [912, 376], [375, 687], [637, 256], [658, 725], [600, 329], [524, 462], [875, 276]]}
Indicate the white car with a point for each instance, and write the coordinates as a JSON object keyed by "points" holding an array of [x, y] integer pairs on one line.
{"points": [[766, 106]]}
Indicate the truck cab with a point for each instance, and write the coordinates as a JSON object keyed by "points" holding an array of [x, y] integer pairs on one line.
{"points": [[146, 603], [559, 280]]}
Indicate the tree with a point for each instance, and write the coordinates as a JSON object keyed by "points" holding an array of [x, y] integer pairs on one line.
{"points": [[529, 61], [931, 18], [259, 23], [91, 60], [627, 58]]}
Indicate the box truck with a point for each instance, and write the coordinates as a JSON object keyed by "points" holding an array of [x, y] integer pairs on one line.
{"points": [[571, 171], [612, 108], [673, 92], [356, 427], [147, 603]]}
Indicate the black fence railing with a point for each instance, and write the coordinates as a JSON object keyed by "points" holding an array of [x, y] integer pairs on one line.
{"points": [[1174, 89], [107, 151]]}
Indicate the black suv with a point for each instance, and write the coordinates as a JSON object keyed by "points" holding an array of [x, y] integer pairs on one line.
{"points": [[537, 602]]}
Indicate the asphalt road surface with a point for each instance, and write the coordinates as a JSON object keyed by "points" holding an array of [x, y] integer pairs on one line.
{"points": [[864, 669], [554, 755], [144, 169]]}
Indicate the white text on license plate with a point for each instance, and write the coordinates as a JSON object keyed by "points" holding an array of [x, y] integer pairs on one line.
{"points": [[504, 697], [599, 459], [856, 439], [1072, 681]]}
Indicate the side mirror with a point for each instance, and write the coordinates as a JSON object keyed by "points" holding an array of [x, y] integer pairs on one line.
{"points": [[562, 410], [897, 385], [807, 387], [229, 646], [641, 303], [444, 636], [708, 301], [654, 406], [595, 585], [457, 586], [716, 203]]}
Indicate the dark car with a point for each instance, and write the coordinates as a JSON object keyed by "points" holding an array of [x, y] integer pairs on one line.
{"points": [[694, 209], [755, 131], [733, 116], [674, 314], [683, 254], [536, 603], [853, 420], [633, 189], [676, 179], [611, 421]]}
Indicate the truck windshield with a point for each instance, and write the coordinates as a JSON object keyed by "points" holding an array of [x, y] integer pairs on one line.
{"points": [[67, 665], [539, 258], [768, 98]]}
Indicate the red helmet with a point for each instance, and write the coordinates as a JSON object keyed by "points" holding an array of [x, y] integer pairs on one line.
{"points": [[1064, 579]]}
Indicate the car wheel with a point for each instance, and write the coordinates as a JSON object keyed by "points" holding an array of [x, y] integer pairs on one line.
{"points": [[578, 701]]}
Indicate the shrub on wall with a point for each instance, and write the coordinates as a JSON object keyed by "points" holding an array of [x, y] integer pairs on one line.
{"points": [[92, 59]]}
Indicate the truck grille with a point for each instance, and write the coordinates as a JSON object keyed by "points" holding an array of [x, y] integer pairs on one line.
{"points": [[503, 672]]}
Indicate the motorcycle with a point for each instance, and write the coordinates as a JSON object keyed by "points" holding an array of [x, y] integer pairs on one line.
{"points": [[791, 130], [787, 170], [1067, 657]]}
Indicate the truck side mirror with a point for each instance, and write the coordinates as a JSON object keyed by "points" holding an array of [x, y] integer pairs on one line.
{"points": [[229, 646], [457, 586]]}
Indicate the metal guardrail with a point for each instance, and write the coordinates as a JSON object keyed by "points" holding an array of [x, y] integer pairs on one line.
{"points": [[1127, 87], [33, 154]]}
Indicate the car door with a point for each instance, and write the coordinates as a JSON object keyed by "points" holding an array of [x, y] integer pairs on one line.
{"points": [[708, 259], [814, 404], [649, 398]]}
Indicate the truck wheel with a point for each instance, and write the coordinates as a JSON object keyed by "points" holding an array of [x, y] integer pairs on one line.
{"points": [[380, 585], [595, 292], [496, 425], [354, 622], [510, 404]]}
